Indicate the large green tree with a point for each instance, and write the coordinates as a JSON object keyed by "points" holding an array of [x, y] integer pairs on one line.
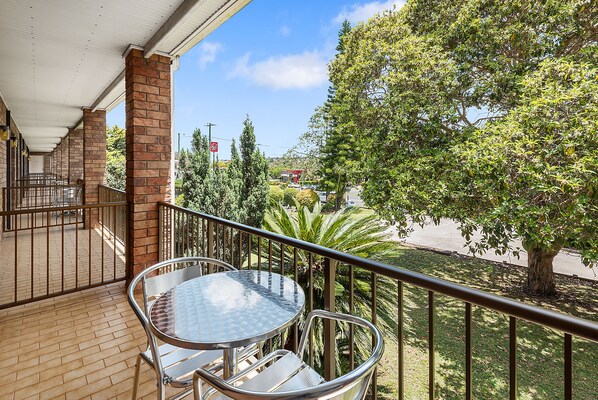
{"points": [[534, 173], [434, 92]]}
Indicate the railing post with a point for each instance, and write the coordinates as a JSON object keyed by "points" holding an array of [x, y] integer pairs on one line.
{"points": [[210, 238], [210, 244], [329, 326], [161, 232]]}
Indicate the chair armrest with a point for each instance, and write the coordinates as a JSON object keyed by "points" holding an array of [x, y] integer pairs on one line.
{"points": [[323, 314]]}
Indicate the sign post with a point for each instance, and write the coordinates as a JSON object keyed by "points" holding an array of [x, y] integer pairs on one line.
{"points": [[213, 150]]}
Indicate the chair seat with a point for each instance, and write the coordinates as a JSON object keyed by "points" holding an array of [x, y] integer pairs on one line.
{"points": [[288, 373], [179, 364]]}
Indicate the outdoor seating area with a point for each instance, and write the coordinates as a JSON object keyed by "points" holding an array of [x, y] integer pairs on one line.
{"points": [[90, 344], [221, 296], [214, 321]]}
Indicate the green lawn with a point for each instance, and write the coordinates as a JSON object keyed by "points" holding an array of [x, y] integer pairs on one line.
{"points": [[540, 373]]}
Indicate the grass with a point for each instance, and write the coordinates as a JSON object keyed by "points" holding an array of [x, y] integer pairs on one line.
{"points": [[540, 350]]}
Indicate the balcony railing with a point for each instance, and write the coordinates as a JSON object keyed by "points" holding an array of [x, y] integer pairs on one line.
{"points": [[29, 197], [114, 218], [51, 251], [323, 271], [41, 179]]}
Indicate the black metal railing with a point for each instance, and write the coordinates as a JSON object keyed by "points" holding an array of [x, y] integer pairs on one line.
{"points": [[41, 179], [59, 250], [38, 198], [114, 219], [338, 281]]}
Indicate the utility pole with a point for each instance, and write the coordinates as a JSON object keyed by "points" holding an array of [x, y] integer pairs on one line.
{"points": [[179, 146], [210, 125]]}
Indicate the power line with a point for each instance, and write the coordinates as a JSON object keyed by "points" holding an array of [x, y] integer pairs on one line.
{"points": [[230, 140]]}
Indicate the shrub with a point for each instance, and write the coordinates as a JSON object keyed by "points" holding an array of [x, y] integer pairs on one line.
{"points": [[307, 198], [276, 194], [289, 196]]}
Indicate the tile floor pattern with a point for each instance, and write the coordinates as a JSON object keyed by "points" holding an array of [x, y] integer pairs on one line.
{"points": [[81, 345], [71, 257]]}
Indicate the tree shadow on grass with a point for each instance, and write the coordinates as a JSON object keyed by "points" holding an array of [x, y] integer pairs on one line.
{"points": [[540, 350]]}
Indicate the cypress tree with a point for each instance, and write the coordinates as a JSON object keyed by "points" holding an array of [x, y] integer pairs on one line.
{"points": [[240, 193], [194, 166], [253, 198]]}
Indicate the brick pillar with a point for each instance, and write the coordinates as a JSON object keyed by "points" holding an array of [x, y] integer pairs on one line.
{"points": [[65, 157], [75, 155], [94, 160], [54, 155], [59, 160], [148, 105]]}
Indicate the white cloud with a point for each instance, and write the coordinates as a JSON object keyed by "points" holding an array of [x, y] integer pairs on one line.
{"points": [[285, 30], [295, 71], [207, 53], [362, 12]]}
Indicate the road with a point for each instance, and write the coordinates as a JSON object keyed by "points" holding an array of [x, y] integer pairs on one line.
{"points": [[446, 236]]}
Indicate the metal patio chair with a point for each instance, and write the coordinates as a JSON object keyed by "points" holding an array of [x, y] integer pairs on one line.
{"points": [[173, 366], [67, 197], [288, 377]]}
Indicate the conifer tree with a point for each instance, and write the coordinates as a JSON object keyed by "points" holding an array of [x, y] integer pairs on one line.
{"points": [[240, 192], [253, 198], [194, 166], [338, 150]]}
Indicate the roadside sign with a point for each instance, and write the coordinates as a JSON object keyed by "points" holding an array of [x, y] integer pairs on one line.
{"points": [[214, 147]]}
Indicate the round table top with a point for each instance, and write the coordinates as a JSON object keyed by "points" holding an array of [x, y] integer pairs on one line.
{"points": [[226, 309]]}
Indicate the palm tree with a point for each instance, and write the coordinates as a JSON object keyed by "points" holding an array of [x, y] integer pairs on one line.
{"points": [[345, 231]]}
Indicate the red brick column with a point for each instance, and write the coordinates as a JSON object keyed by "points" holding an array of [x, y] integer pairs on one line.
{"points": [[75, 155], [148, 102], [94, 160], [65, 157]]}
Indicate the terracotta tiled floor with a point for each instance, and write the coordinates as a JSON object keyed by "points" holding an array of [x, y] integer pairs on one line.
{"points": [[77, 346]]}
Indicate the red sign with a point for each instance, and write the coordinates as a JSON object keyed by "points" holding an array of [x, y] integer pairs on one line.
{"points": [[214, 147]]}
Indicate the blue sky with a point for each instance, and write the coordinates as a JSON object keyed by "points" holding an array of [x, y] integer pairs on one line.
{"points": [[268, 62]]}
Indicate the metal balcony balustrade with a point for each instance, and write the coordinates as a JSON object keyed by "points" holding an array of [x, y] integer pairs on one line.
{"points": [[185, 233], [52, 244], [85, 342]]}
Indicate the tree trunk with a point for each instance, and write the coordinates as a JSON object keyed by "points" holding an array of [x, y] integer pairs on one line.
{"points": [[540, 278]]}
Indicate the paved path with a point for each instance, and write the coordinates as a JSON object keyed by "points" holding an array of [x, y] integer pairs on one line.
{"points": [[446, 236]]}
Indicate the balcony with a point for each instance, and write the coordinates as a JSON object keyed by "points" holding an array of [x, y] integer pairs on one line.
{"points": [[83, 344], [66, 330]]}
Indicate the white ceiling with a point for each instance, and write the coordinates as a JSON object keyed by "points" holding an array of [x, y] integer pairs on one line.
{"points": [[59, 56]]}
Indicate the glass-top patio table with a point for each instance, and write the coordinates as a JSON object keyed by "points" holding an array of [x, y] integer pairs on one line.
{"points": [[226, 310]]}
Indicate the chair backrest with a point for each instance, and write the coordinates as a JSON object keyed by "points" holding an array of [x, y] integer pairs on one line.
{"points": [[165, 275], [351, 386], [162, 277], [78, 195]]}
